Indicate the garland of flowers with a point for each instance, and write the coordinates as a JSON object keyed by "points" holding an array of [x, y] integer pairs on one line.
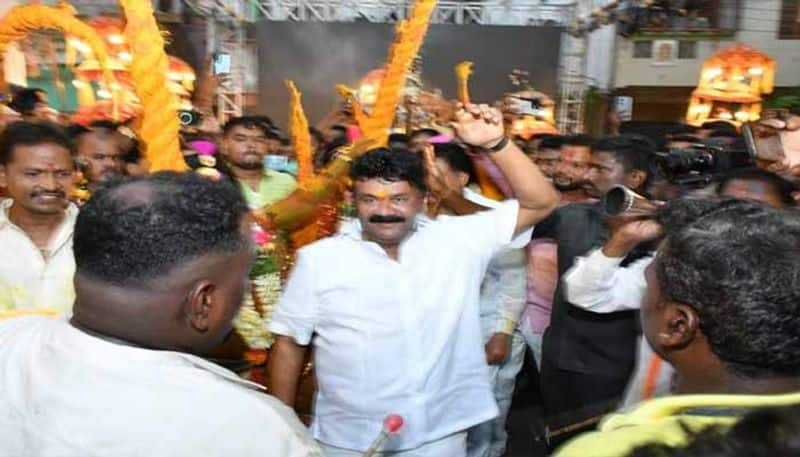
{"points": [[265, 287]]}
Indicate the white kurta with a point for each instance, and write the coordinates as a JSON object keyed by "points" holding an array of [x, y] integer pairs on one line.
{"points": [[397, 336]]}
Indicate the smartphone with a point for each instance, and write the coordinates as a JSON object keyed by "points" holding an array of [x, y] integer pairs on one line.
{"points": [[763, 142], [222, 63]]}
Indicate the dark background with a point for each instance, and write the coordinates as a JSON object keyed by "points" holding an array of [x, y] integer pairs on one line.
{"points": [[317, 56]]}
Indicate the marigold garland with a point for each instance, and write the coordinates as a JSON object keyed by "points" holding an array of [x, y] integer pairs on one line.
{"points": [[160, 128], [301, 136], [408, 39]]}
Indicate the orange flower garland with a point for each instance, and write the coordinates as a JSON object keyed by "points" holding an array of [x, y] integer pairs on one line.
{"points": [[409, 37], [160, 127], [301, 137]]}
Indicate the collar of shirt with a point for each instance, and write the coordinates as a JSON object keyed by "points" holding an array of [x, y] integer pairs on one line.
{"points": [[63, 233], [521, 240], [80, 338]]}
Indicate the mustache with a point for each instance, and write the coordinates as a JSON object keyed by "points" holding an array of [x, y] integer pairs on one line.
{"points": [[382, 219]]}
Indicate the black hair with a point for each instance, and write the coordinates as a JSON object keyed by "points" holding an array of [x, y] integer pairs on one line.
{"points": [[551, 142], [578, 140], [390, 165], [137, 230], [782, 187], [457, 158], [737, 265], [25, 100], [248, 122], [771, 432], [680, 212], [401, 138], [632, 151], [317, 135], [31, 134], [263, 119], [103, 129], [323, 157]]}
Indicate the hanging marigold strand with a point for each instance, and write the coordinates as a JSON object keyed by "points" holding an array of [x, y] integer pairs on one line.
{"points": [[301, 137], [408, 39], [160, 128]]}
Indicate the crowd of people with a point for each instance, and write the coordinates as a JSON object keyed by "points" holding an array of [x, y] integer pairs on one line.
{"points": [[649, 333]]}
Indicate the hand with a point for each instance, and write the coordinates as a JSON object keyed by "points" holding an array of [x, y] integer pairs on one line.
{"points": [[498, 348], [479, 125], [626, 235]]}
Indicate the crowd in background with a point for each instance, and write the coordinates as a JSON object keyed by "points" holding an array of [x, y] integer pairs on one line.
{"points": [[649, 333]]}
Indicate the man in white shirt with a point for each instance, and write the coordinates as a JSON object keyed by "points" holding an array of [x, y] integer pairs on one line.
{"points": [[599, 283], [36, 222], [162, 263], [393, 308]]}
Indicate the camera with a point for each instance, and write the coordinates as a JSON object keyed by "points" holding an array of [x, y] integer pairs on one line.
{"points": [[189, 118], [699, 164]]}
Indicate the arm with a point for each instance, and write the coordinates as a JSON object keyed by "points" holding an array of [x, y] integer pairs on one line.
{"points": [[510, 304], [482, 127], [285, 365], [293, 324], [513, 291], [597, 283]]}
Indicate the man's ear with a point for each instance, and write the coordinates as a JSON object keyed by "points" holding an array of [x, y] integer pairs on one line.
{"points": [[3, 178], [199, 303], [636, 179], [679, 326]]}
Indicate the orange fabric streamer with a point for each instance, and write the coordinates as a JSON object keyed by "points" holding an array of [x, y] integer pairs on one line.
{"points": [[408, 39], [301, 137], [463, 72], [160, 128], [23, 19]]}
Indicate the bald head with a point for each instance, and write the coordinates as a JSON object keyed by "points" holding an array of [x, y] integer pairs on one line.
{"points": [[161, 261]]}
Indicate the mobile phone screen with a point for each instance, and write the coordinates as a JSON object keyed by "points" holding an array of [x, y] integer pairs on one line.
{"points": [[222, 64]]}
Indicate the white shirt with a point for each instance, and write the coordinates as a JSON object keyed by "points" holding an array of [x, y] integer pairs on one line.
{"points": [[66, 393], [396, 336], [29, 278], [597, 283]]}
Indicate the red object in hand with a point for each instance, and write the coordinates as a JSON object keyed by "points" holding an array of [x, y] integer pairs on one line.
{"points": [[393, 423]]}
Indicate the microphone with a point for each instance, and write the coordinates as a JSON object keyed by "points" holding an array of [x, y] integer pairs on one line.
{"points": [[391, 425]]}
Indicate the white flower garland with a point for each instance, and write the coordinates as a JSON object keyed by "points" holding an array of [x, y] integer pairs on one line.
{"points": [[252, 326]]}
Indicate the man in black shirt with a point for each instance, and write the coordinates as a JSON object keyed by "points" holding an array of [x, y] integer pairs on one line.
{"points": [[588, 357]]}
